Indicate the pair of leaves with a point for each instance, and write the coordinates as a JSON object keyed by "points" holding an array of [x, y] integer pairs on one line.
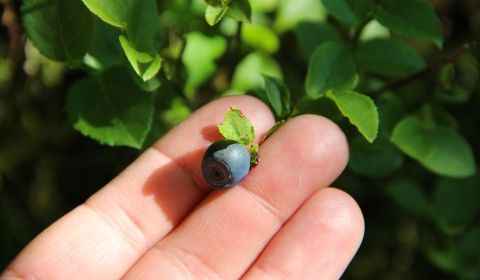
{"points": [[437, 147], [332, 73], [239, 10], [63, 29], [139, 21]]}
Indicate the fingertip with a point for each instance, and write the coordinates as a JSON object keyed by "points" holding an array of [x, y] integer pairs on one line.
{"points": [[343, 215]]}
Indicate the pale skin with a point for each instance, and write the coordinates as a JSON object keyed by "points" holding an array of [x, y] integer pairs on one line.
{"points": [[159, 220]]}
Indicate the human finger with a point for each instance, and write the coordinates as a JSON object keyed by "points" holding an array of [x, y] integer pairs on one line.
{"points": [[318, 242], [224, 235]]}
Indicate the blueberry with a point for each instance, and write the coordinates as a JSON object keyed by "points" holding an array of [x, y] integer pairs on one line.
{"points": [[225, 164]]}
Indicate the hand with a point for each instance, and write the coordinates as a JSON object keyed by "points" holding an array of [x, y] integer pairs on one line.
{"points": [[159, 220]]}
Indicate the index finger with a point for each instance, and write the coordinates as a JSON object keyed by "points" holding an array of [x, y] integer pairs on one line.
{"points": [[104, 236]]}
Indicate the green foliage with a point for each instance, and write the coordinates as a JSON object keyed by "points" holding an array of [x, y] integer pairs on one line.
{"points": [[199, 57], [359, 109], [411, 18], [405, 96], [111, 112], [410, 195], [112, 12], [61, 29], [389, 57], [331, 67], [351, 12], [278, 96], [437, 147]]}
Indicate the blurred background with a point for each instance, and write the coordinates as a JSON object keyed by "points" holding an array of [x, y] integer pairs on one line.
{"points": [[418, 225]]}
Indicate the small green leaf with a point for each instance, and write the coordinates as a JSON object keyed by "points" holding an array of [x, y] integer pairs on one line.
{"points": [[61, 29], [278, 96], [411, 18], [351, 12], [331, 67], [199, 57], [376, 160], [359, 109], [240, 10], [457, 201], [410, 195], [111, 11], [110, 108], [312, 34], [237, 127], [214, 14], [402, 59], [260, 37], [146, 65], [438, 148], [249, 71]]}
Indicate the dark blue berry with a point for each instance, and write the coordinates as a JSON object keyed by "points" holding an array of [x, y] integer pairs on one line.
{"points": [[225, 164]]}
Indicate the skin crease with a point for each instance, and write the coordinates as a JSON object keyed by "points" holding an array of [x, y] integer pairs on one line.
{"points": [[158, 219]]}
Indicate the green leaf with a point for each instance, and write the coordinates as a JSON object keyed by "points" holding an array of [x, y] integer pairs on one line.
{"points": [[331, 67], [312, 34], [319, 106], [240, 10], [409, 195], [378, 159], [351, 12], [260, 37], [104, 48], [278, 96], [292, 13], [438, 148], [248, 74], [113, 12], [470, 245], [143, 24], [402, 59], [237, 127], [457, 201], [214, 14], [411, 18], [61, 29], [110, 108], [146, 65], [390, 110], [199, 57], [359, 109]]}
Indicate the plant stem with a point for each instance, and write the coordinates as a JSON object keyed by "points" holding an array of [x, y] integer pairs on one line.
{"points": [[435, 66], [358, 31]]}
